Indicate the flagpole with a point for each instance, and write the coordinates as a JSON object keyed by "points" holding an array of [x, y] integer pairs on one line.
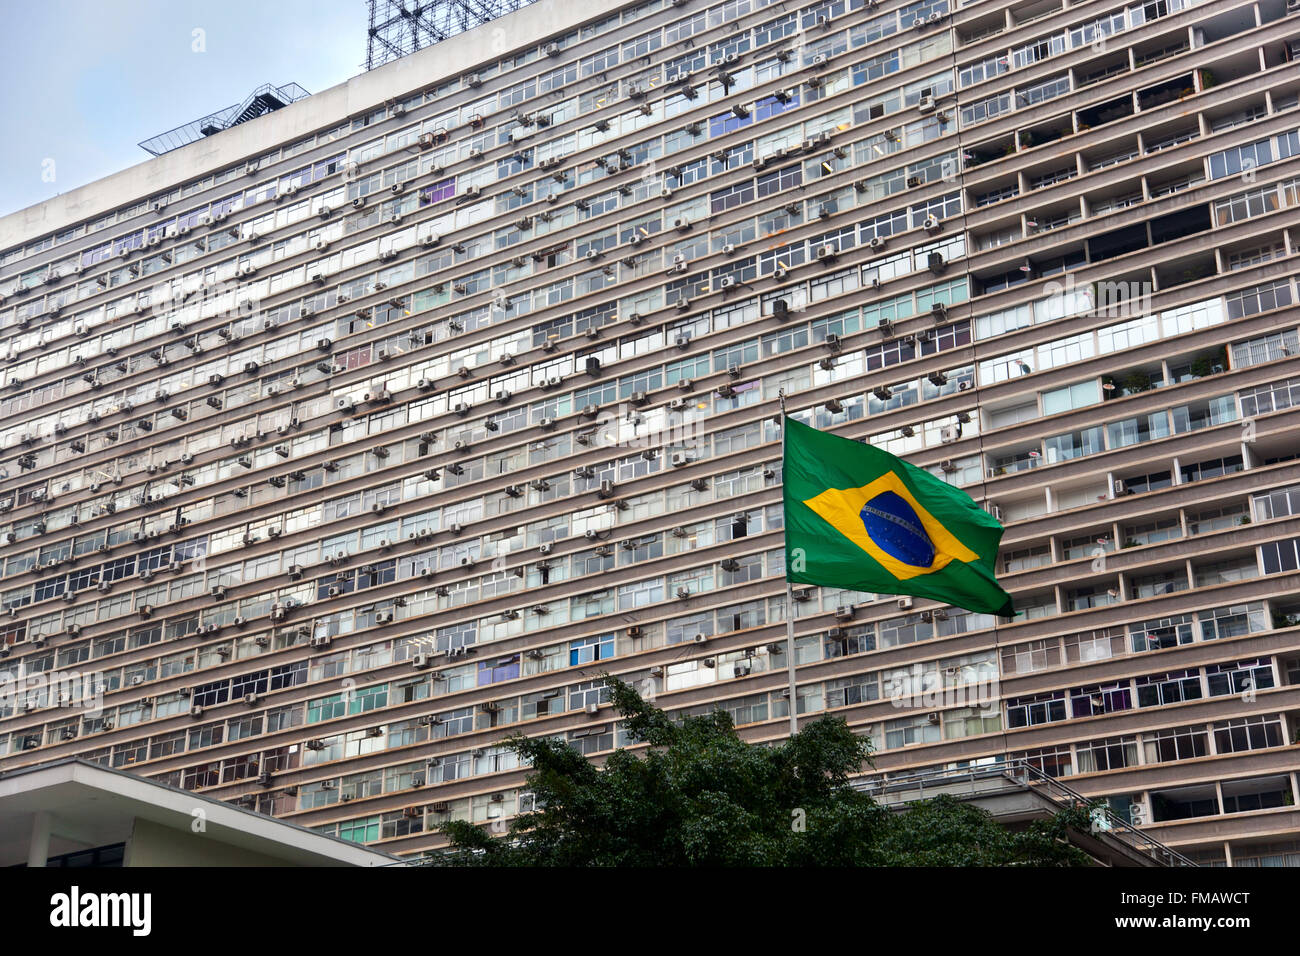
{"points": [[789, 595]]}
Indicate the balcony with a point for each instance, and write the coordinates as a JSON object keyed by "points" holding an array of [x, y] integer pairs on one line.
{"points": [[1088, 441], [1015, 463], [1184, 803], [1180, 87], [1107, 112]]}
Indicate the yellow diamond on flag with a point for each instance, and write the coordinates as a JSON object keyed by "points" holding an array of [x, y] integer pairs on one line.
{"points": [[888, 523]]}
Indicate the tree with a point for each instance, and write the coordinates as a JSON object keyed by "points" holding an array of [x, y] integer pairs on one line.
{"points": [[700, 796]]}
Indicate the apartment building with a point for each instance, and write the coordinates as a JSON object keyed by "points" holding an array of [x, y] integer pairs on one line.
{"points": [[343, 443]]}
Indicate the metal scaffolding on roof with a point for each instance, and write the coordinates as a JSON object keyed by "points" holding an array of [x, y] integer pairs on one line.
{"points": [[264, 99], [399, 27]]}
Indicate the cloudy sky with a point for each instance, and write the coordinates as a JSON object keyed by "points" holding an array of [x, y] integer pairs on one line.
{"points": [[85, 81]]}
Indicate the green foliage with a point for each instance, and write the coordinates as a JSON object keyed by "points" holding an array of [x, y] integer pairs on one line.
{"points": [[947, 832], [1209, 363], [700, 796], [1137, 382]]}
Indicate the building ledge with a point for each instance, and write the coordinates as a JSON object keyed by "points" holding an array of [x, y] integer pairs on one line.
{"points": [[73, 805], [1017, 794]]}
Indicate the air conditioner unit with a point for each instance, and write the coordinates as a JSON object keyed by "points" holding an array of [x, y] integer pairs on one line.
{"points": [[931, 225], [905, 604]]}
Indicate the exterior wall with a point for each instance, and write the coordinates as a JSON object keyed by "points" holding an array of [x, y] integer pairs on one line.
{"points": [[153, 844], [308, 610]]}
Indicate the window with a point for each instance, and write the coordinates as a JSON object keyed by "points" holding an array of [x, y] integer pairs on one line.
{"points": [[1279, 556], [1160, 689], [1232, 621], [912, 730], [1099, 699], [1039, 709], [587, 650], [492, 672], [1242, 677], [1183, 743], [1052, 761], [970, 721], [1230, 162], [1248, 733], [591, 692], [1112, 753]]}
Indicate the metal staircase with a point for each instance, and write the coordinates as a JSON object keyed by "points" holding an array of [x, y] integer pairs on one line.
{"points": [[265, 99]]}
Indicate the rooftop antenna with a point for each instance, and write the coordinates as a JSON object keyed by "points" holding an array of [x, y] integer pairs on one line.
{"points": [[400, 27]]}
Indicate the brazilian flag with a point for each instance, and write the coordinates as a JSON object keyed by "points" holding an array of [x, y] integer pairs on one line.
{"points": [[862, 519]]}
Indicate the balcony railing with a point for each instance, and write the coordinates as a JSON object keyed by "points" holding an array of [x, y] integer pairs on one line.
{"points": [[1015, 465], [1025, 774]]}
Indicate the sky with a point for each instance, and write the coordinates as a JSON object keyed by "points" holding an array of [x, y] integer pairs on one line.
{"points": [[85, 81]]}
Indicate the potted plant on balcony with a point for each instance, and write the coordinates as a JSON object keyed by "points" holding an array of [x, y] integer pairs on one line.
{"points": [[1209, 363], [1136, 382]]}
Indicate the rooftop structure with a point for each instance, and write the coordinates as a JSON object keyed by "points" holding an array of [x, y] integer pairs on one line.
{"points": [[398, 28], [265, 99], [74, 813]]}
